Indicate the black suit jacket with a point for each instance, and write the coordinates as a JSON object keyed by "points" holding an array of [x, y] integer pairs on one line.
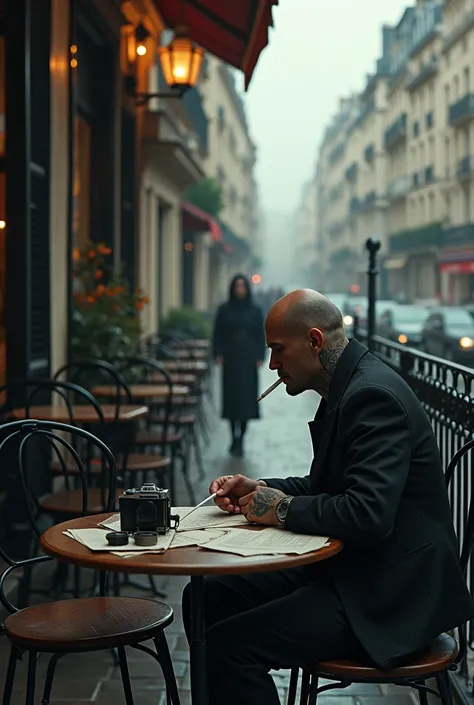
{"points": [[377, 483]]}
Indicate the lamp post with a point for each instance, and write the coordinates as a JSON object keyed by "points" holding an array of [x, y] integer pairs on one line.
{"points": [[372, 246]]}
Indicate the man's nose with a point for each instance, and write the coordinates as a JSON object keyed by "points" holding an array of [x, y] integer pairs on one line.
{"points": [[273, 365]]}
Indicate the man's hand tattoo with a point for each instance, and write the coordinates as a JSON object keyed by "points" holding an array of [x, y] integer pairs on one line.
{"points": [[264, 500]]}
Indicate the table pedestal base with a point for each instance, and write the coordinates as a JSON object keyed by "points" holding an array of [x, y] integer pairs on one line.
{"points": [[199, 692]]}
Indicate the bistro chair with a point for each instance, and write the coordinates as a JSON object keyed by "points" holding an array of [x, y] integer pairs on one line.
{"points": [[133, 468], [445, 654], [86, 624], [169, 437]]}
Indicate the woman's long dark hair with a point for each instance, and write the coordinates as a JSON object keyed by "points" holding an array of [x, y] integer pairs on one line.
{"points": [[235, 300]]}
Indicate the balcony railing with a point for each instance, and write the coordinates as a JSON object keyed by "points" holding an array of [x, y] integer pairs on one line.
{"points": [[399, 188], [446, 392], [414, 81], [416, 238], [396, 132], [368, 203], [462, 110], [464, 167], [197, 116]]}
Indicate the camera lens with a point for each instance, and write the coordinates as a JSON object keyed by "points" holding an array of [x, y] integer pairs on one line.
{"points": [[146, 538], [117, 538]]}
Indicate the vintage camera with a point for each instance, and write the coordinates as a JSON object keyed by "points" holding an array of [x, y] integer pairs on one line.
{"points": [[147, 508]]}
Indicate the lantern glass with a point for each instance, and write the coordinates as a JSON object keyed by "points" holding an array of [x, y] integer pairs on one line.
{"points": [[181, 62]]}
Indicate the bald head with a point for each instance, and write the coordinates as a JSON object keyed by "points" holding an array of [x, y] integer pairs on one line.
{"points": [[304, 309]]}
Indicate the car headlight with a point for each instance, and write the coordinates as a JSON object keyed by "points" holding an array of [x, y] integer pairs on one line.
{"points": [[402, 338], [348, 320], [466, 342]]}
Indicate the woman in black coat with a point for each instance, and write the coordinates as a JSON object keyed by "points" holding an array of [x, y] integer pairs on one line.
{"points": [[239, 346]]}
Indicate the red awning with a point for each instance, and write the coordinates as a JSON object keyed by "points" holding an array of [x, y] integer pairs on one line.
{"points": [[457, 267], [234, 30], [199, 221]]}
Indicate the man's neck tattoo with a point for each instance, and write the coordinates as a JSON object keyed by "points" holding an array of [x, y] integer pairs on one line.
{"points": [[329, 357]]}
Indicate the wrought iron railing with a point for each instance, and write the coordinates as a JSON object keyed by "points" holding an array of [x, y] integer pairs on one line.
{"points": [[446, 391]]}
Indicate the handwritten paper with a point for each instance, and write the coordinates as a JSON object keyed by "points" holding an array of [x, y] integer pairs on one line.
{"points": [[207, 518], [268, 541]]}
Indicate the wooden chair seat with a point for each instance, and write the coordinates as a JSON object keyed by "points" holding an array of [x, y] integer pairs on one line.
{"points": [[155, 438], [68, 503], [438, 657], [136, 462], [87, 624]]}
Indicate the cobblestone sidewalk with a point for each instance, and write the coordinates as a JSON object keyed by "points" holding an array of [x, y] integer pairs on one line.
{"points": [[277, 445]]}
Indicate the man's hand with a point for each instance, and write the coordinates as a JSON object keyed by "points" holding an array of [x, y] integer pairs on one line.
{"points": [[230, 488], [259, 506]]}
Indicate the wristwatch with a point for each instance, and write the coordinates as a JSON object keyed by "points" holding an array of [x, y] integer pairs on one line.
{"points": [[281, 509]]}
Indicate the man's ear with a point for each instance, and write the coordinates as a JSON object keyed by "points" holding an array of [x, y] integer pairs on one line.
{"points": [[316, 338]]}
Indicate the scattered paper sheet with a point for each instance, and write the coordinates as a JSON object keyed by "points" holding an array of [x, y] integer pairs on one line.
{"points": [[207, 518], [268, 541], [95, 540]]}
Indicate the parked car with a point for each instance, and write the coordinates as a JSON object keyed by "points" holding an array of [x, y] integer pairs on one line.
{"points": [[449, 333], [341, 301], [470, 309], [403, 323]]}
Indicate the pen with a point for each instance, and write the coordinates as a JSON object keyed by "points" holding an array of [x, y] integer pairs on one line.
{"points": [[211, 496], [270, 389]]}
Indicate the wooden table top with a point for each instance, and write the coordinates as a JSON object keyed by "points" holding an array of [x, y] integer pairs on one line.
{"points": [[80, 414], [185, 365], [141, 391], [197, 354], [176, 561]]}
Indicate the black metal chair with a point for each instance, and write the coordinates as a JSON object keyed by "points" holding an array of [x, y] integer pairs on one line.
{"points": [[131, 465], [445, 654], [75, 626], [169, 438]]}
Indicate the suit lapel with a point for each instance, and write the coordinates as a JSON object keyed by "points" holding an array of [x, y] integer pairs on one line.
{"points": [[327, 411]]}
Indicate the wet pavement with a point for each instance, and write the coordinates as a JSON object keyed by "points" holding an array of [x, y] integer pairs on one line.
{"points": [[276, 445]]}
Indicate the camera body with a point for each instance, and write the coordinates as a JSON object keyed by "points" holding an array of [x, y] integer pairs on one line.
{"points": [[147, 508]]}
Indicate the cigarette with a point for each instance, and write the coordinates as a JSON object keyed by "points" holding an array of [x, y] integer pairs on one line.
{"points": [[270, 389]]}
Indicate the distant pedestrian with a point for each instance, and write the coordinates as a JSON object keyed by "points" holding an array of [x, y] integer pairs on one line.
{"points": [[239, 346]]}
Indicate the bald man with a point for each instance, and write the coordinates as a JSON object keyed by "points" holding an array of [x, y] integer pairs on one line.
{"points": [[376, 483]]}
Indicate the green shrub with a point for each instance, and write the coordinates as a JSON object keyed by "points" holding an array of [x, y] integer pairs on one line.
{"points": [[195, 324]]}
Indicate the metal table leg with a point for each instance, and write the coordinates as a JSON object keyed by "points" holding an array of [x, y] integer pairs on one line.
{"points": [[199, 693]]}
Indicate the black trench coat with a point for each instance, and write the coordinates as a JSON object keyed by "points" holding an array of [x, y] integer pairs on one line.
{"points": [[239, 338]]}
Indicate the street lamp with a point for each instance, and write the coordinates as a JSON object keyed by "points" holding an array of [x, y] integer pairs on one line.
{"points": [[180, 61]]}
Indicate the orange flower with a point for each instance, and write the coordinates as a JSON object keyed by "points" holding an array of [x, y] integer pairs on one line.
{"points": [[99, 274], [76, 254], [139, 305], [103, 250], [92, 254], [100, 290], [119, 289], [90, 299], [145, 300]]}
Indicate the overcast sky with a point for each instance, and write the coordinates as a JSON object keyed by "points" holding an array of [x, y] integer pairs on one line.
{"points": [[319, 50]]}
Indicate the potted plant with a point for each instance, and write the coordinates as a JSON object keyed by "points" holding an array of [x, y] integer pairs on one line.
{"points": [[106, 316]]}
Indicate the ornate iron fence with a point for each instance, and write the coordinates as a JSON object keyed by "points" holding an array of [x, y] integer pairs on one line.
{"points": [[446, 391]]}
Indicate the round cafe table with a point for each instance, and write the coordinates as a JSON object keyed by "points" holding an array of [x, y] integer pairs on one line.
{"points": [[192, 561]]}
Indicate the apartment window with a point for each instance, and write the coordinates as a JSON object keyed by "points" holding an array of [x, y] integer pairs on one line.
{"points": [[431, 149], [432, 207], [447, 203], [416, 128], [456, 88], [220, 118], [447, 156], [467, 205], [467, 80], [220, 175]]}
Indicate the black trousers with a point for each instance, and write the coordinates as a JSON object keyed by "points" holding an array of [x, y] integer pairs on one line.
{"points": [[267, 621]]}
